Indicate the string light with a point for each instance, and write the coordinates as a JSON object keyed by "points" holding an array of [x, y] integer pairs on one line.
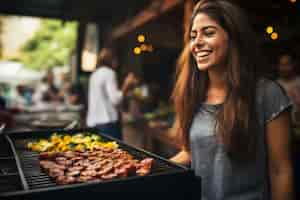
{"points": [[141, 38], [144, 47], [150, 48], [137, 50], [269, 29], [274, 36]]}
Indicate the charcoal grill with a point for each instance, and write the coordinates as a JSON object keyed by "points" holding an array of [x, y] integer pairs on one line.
{"points": [[38, 185]]}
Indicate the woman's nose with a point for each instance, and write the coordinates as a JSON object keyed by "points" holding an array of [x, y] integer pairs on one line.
{"points": [[199, 41]]}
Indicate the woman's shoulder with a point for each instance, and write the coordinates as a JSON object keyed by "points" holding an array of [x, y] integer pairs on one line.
{"points": [[269, 87], [271, 98]]}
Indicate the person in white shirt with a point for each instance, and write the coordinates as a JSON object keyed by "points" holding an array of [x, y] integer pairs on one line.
{"points": [[104, 96]]}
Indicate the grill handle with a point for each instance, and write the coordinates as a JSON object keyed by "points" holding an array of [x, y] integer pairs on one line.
{"points": [[18, 162]]}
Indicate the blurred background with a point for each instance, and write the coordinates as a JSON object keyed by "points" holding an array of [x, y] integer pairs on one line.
{"points": [[54, 44]]}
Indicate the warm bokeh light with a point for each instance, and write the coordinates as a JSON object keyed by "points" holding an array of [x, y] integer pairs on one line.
{"points": [[144, 47], [137, 50], [274, 36], [269, 29], [141, 38], [88, 61], [150, 48], [293, 1]]}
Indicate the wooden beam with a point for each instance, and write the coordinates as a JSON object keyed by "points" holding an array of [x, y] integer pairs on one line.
{"points": [[156, 8]]}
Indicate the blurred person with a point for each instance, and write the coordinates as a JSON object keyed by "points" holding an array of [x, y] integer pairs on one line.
{"points": [[75, 95], [17, 99], [22, 97], [141, 89], [290, 81], [62, 78], [104, 96], [65, 88], [47, 91], [6, 93], [52, 92], [138, 97], [234, 124]]}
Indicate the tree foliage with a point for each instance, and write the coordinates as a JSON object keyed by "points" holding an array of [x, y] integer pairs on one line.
{"points": [[51, 45]]}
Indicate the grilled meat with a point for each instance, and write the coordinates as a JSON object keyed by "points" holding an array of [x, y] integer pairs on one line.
{"points": [[144, 166], [101, 164]]}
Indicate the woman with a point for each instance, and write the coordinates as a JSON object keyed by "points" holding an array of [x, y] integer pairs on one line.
{"points": [[104, 96], [235, 125]]}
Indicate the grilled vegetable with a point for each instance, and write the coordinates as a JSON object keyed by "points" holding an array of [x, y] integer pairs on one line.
{"points": [[77, 142]]}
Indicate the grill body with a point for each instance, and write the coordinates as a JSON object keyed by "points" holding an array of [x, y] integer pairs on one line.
{"points": [[165, 176]]}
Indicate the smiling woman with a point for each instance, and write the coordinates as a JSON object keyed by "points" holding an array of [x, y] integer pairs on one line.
{"points": [[233, 122]]}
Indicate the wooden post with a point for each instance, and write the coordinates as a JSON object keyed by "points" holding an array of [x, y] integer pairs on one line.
{"points": [[76, 63]]}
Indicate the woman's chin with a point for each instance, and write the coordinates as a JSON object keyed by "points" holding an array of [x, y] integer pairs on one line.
{"points": [[203, 67]]}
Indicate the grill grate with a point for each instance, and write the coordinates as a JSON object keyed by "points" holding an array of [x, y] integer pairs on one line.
{"points": [[36, 178], [33, 183]]}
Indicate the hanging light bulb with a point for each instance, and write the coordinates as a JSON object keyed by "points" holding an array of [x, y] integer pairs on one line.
{"points": [[137, 50], [269, 29], [274, 36], [141, 38]]}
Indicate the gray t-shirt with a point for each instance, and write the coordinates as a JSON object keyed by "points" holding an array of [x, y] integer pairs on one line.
{"points": [[221, 178]]}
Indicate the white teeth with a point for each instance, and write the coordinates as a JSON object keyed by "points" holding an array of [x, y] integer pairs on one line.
{"points": [[202, 54]]}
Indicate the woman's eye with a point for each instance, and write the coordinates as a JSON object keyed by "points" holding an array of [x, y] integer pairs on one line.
{"points": [[192, 36], [209, 33]]}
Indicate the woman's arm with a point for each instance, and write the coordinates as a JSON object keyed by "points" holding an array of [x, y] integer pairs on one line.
{"points": [[183, 157], [280, 165]]}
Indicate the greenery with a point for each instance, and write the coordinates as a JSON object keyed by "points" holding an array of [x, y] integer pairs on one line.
{"points": [[50, 46]]}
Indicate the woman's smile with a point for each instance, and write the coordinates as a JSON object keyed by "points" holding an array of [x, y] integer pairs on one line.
{"points": [[203, 55]]}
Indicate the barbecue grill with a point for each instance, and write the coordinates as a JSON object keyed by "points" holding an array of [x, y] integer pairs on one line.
{"points": [[35, 184]]}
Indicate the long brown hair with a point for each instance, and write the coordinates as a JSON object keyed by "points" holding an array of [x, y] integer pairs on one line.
{"points": [[235, 121]]}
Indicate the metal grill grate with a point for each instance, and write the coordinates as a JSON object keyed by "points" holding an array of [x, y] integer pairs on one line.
{"points": [[36, 178]]}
